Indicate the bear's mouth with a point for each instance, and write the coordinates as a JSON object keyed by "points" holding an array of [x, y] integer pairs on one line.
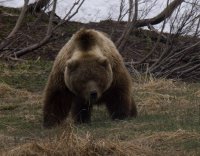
{"points": [[93, 97]]}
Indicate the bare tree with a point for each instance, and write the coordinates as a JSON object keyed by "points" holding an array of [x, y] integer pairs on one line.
{"points": [[167, 12], [51, 28], [38, 5], [135, 23], [131, 23], [17, 25], [180, 56], [20, 19], [44, 40], [122, 10]]}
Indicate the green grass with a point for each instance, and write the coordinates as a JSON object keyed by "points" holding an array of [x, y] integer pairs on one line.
{"points": [[168, 121], [30, 76]]}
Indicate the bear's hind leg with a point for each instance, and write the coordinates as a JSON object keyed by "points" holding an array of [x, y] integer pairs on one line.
{"points": [[81, 111]]}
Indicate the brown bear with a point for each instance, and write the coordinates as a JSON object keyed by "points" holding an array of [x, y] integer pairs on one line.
{"points": [[88, 70]]}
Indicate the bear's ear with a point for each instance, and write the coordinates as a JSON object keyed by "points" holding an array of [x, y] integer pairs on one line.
{"points": [[104, 62], [72, 64]]}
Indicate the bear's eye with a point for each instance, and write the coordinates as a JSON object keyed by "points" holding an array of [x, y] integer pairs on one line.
{"points": [[104, 62]]}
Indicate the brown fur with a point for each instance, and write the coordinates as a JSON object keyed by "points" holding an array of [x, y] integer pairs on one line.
{"points": [[87, 52]]}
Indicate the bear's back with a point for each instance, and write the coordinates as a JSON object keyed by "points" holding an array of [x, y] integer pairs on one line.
{"points": [[89, 41]]}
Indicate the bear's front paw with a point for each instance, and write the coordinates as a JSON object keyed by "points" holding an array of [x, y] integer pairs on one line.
{"points": [[50, 122], [119, 115]]}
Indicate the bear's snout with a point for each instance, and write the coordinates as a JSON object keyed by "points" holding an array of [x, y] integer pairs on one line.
{"points": [[91, 92]]}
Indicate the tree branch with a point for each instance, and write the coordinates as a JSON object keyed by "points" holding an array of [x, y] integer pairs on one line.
{"points": [[45, 39], [160, 17], [20, 19], [131, 23], [7, 40]]}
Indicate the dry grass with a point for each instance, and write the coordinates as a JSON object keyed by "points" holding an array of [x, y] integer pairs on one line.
{"points": [[69, 143], [20, 95], [6, 91], [168, 124], [158, 94]]}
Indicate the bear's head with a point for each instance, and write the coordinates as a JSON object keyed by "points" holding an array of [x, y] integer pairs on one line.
{"points": [[88, 77]]}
